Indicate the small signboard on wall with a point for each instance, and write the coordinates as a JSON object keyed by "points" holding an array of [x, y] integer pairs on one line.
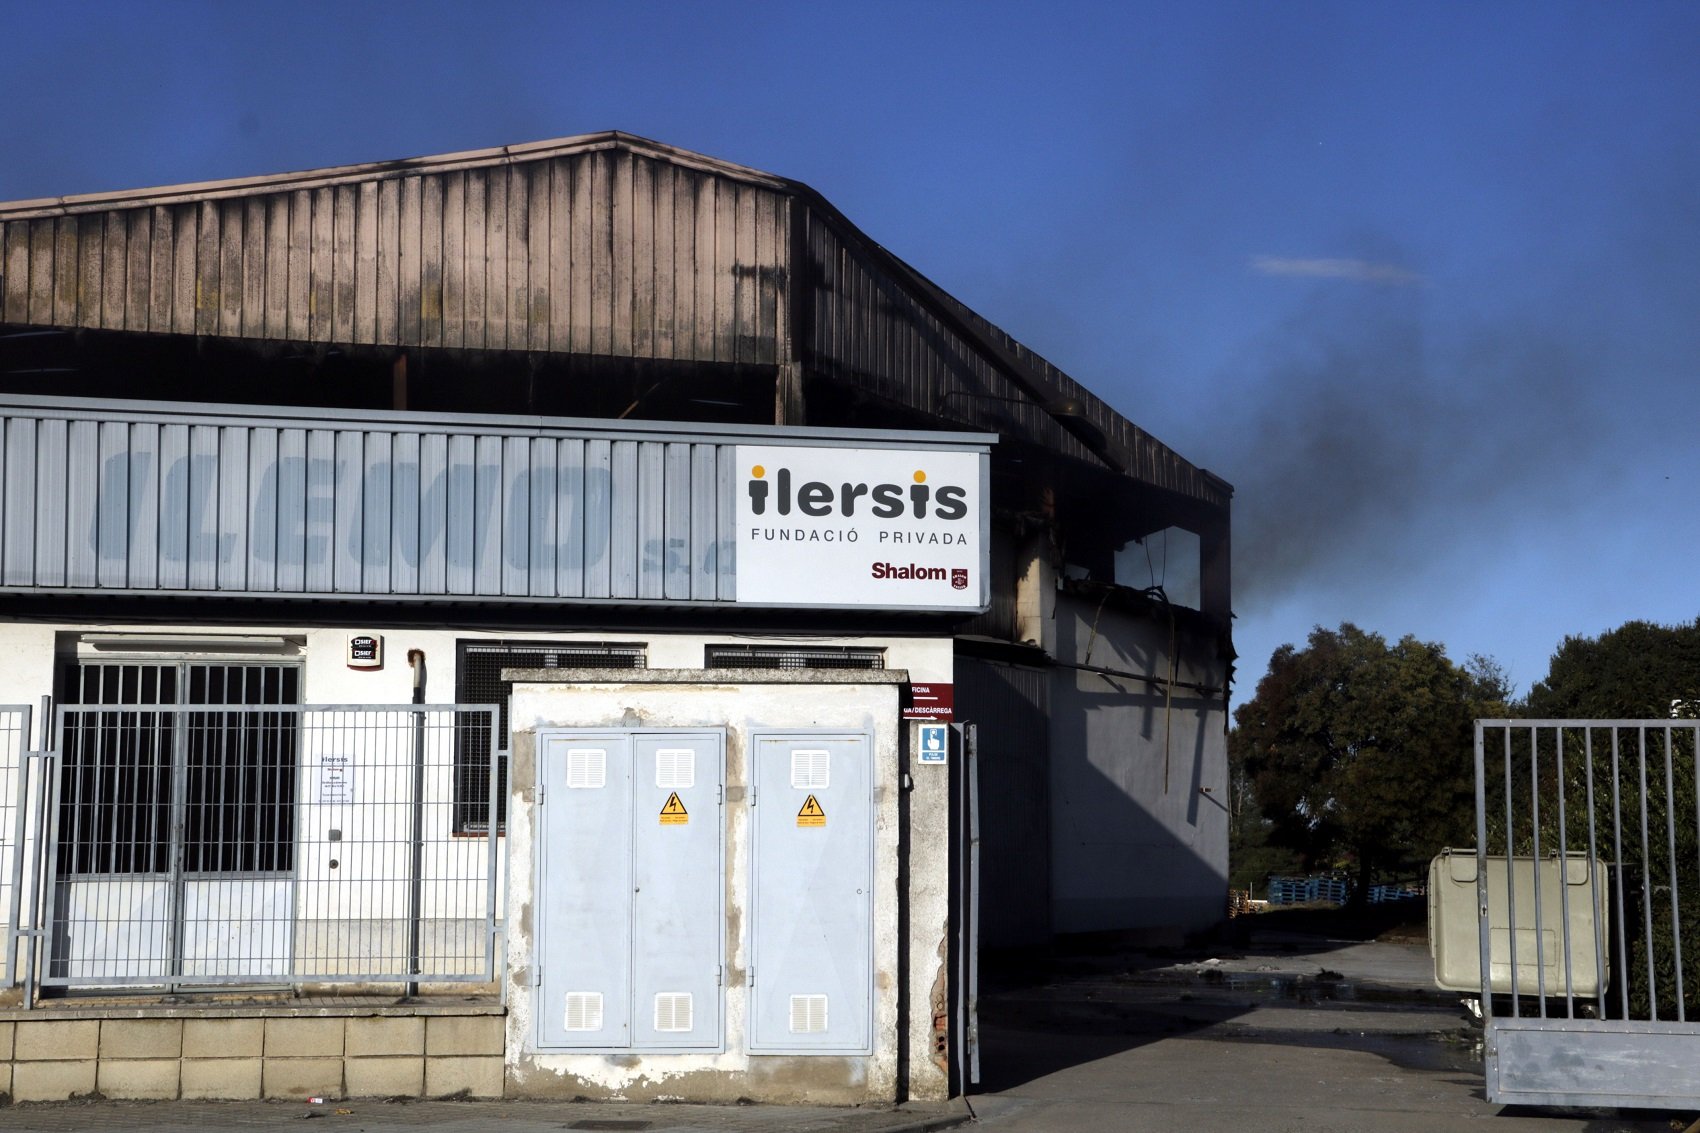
{"points": [[935, 743], [930, 702], [336, 780]]}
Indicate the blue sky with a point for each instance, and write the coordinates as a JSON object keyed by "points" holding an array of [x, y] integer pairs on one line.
{"points": [[1421, 280]]}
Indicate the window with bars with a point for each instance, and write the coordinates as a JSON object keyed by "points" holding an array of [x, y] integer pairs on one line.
{"points": [[478, 680], [205, 749], [792, 657]]}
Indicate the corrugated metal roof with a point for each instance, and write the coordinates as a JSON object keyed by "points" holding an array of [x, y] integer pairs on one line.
{"points": [[604, 245]]}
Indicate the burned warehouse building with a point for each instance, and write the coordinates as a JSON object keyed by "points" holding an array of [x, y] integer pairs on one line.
{"points": [[572, 619]]}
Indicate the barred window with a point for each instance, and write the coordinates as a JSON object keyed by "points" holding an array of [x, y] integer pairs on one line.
{"points": [[478, 680], [792, 657]]}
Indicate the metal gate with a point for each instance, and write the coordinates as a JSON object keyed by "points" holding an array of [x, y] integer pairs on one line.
{"points": [[1587, 881], [199, 829]]}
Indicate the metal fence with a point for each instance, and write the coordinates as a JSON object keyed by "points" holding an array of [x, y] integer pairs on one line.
{"points": [[14, 778], [1587, 885], [215, 844]]}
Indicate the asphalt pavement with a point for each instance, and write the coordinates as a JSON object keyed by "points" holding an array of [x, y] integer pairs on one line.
{"points": [[1279, 1032]]}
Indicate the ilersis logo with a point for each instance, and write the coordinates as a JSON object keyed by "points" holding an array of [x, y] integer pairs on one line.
{"points": [[819, 499]]}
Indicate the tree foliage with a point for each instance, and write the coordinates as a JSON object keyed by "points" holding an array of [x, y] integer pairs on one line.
{"points": [[1360, 752], [1630, 673]]}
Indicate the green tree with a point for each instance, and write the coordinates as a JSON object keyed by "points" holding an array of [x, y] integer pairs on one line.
{"points": [[1630, 673], [1360, 752]]}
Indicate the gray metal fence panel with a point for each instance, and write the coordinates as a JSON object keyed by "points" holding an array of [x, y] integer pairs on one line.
{"points": [[14, 844], [1588, 899], [210, 844]]}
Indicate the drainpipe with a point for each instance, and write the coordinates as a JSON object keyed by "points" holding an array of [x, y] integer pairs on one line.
{"points": [[416, 659]]}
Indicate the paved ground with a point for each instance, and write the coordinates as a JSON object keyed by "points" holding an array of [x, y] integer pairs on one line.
{"points": [[1284, 1033]]}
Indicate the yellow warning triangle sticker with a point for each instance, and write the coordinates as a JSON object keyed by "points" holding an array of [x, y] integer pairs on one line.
{"points": [[811, 814], [673, 812]]}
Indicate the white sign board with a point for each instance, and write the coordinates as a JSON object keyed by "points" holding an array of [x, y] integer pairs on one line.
{"points": [[891, 528], [336, 780]]}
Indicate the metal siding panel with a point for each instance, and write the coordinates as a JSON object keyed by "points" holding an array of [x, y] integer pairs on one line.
{"points": [[254, 268], [41, 241], [570, 519], [519, 268], [387, 316], [15, 272], [771, 245], [292, 489], [581, 236], [276, 321], [262, 507], [496, 259], [112, 498], [405, 494], [410, 269], [477, 257], [487, 517], [231, 228], [724, 268], [345, 292], [161, 269], [642, 257], [115, 285], [433, 514], [726, 547], [623, 521], [431, 261], [598, 518], [22, 501], [300, 263], [541, 533], [651, 519], [65, 263], [676, 550], [378, 534], [318, 544], [560, 275], [454, 259], [366, 263], [173, 507], [348, 529], [201, 510], [745, 267], [603, 242], [516, 516], [461, 549], [79, 538], [704, 506], [50, 514], [321, 270], [663, 243], [230, 538], [208, 261], [144, 477]]}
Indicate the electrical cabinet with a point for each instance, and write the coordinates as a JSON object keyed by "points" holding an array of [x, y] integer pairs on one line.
{"points": [[811, 932], [630, 845]]}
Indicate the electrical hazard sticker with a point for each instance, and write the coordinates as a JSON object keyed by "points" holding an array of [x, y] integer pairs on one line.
{"points": [[673, 812], [811, 814]]}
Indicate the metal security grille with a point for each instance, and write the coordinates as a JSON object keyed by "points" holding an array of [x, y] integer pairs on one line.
{"points": [[1586, 884], [200, 842], [215, 776], [791, 657], [478, 679]]}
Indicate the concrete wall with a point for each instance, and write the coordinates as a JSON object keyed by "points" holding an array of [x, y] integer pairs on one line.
{"points": [[1139, 774], [911, 933]]}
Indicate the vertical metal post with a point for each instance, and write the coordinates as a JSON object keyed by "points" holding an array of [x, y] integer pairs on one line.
{"points": [[1484, 936], [971, 771], [1675, 886], [416, 881], [20, 802], [1563, 873], [177, 887]]}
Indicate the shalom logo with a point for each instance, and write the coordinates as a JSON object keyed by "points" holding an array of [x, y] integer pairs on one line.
{"points": [[884, 501]]}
